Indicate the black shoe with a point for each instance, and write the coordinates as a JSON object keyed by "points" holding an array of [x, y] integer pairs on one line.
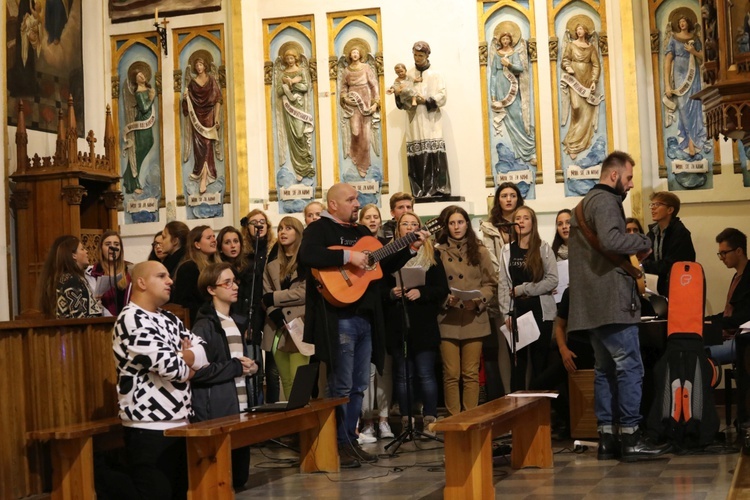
{"points": [[346, 458], [636, 446], [356, 451], [609, 447]]}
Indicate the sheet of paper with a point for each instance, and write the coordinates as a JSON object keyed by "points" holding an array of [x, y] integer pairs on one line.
{"points": [[552, 395], [562, 279], [296, 329], [651, 281], [528, 331], [104, 283], [466, 294], [413, 277]]}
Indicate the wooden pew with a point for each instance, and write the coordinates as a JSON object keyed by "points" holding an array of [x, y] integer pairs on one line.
{"points": [[72, 452], [468, 443], [209, 443]]}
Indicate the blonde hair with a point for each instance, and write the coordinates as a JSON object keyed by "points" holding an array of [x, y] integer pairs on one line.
{"points": [[426, 254], [288, 263]]}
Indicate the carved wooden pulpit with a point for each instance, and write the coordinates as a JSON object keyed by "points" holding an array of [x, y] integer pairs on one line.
{"points": [[72, 192]]}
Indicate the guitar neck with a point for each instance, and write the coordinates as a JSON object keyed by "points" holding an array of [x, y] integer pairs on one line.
{"points": [[394, 246]]}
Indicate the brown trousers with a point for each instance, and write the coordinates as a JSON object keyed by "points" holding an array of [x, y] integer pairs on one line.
{"points": [[461, 362]]}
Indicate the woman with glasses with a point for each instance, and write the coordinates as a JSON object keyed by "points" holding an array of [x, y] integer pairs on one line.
{"points": [[113, 271], [260, 248], [219, 389], [423, 304], [377, 397], [201, 251], [284, 301], [464, 321], [157, 250], [670, 239]]}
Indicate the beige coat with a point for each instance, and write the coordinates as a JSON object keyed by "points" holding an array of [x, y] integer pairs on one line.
{"points": [[456, 322], [290, 301]]}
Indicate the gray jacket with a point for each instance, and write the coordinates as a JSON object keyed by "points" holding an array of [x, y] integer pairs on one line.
{"points": [[600, 292], [542, 288]]}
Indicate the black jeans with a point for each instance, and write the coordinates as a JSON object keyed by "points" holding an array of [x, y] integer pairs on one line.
{"points": [[158, 464]]}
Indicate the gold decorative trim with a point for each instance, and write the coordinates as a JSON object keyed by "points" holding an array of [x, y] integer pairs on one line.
{"points": [[483, 53], [73, 194]]}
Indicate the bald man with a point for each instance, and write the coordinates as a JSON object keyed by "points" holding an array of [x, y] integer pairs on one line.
{"points": [[347, 339], [156, 357]]}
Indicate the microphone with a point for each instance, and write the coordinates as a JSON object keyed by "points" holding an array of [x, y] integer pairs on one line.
{"points": [[505, 224]]}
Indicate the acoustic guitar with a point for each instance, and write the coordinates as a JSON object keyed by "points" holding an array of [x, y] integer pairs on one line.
{"points": [[345, 285]]}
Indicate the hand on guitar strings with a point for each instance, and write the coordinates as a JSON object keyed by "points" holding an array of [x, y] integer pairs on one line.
{"points": [[423, 235], [358, 259]]}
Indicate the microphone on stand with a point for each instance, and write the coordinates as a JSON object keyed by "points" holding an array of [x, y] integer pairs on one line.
{"points": [[505, 224]]}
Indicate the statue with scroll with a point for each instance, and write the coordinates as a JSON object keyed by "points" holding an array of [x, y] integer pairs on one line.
{"points": [[425, 146], [579, 83], [510, 90], [682, 79], [359, 97], [201, 130], [138, 97], [294, 132]]}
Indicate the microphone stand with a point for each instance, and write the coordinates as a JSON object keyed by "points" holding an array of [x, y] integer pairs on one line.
{"points": [[256, 380], [409, 432], [513, 308], [113, 272]]}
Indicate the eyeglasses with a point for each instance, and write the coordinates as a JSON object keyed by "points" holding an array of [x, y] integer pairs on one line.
{"points": [[722, 254], [155, 244], [409, 224], [228, 284], [655, 204]]}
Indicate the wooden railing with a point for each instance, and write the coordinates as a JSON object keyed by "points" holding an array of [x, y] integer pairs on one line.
{"points": [[52, 373]]}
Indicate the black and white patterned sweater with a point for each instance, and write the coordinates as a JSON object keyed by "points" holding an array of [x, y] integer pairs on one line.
{"points": [[152, 380]]}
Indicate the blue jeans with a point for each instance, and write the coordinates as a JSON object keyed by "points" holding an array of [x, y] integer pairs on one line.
{"points": [[618, 375], [351, 374], [423, 365], [724, 353]]}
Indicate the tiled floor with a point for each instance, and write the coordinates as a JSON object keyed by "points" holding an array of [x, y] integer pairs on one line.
{"points": [[417, 472]]}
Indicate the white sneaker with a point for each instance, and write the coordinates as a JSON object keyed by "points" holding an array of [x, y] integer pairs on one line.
{"points": [[385, 430], [365, 439], [368, 430]]}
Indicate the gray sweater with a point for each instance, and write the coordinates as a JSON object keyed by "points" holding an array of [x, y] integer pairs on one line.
{"points": [[600, 292]]}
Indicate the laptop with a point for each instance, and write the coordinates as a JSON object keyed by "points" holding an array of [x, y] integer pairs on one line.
{"points": [[302, 387]]}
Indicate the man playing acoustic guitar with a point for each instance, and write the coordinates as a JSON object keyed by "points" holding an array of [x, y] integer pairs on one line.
{"points": [[346, 338], [604, 300]]}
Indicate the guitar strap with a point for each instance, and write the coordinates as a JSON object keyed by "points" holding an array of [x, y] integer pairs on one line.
{"points": [[617, 259]]}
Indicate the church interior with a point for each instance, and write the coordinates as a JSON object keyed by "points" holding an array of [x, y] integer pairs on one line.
{"points": [[535, 92]]}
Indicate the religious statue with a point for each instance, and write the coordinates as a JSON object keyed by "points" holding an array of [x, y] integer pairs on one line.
{"points": [[510, 92], [295, 123], [682, 61], [359, 98], [581, 69], [403, 87], [201, 130], [138, 97], [425, 146]]}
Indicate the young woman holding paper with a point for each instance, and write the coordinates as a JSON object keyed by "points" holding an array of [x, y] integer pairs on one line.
{"points": [[284, 301], [528, 276], [423, 303], [464, 320]]}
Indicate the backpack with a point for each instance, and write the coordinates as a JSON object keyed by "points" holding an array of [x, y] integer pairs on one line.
{"points": [[683, 411]]}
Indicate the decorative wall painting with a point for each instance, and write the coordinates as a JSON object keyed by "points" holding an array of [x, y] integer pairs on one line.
{"points": [[129, 10], [356, 76], [202, 149], [136, 103], [292, 112]]}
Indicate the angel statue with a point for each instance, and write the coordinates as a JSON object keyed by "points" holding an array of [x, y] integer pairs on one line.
{"points": [[580, 77], [682, 60], [291, 76], [510, 90], [201, 131], [138, 133], [360, 103]]}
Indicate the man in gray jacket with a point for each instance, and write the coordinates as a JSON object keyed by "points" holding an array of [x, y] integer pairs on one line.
{"points": [[604, 301]]}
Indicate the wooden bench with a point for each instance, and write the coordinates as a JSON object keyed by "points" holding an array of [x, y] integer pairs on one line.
{"points": [[740, 488], [209, 443], [468, 443], [72, 453]]}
